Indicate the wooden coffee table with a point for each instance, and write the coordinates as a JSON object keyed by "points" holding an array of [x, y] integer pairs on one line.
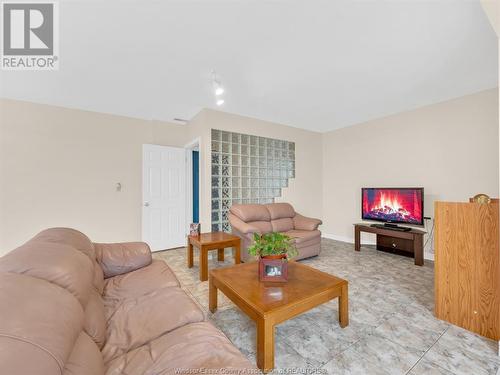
{"points": [[211, 241], [269, 304]]}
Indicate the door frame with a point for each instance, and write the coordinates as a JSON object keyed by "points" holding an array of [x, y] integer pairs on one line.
{"points": [[193, 145]]}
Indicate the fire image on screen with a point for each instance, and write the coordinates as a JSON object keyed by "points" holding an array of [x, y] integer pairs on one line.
{"points": [[393, 205]]}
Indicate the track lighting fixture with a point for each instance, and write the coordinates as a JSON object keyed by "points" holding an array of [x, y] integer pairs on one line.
{"points": [[218, 89]]}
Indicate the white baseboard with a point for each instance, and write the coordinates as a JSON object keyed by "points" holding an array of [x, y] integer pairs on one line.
{"points": [[345, 239], [428, 256]]}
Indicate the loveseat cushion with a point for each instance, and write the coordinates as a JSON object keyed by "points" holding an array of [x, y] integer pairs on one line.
{"points": [[303, 236], [136, 321], [280, 210], [251, 212], [282, 225], [194, 346], [142, 281], [301, 222]]}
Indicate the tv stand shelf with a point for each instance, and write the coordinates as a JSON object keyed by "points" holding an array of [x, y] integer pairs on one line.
{"points": [[411, 241]]}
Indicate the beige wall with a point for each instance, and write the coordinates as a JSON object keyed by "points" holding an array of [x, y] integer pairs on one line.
{"points": [[450, 148], [304, 191], [59, 167], [491, 8]]}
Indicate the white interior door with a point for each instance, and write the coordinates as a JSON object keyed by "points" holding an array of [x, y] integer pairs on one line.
{"points": [[164, 197]]}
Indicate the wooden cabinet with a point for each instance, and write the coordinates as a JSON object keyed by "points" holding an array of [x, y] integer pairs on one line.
{"points": [[467, 275]]}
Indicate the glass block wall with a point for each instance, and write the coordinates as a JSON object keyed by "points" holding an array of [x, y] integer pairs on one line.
{"points": [[247, 169]]}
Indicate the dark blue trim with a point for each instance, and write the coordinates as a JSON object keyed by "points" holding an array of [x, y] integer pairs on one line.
{"points": [[196, 187]]}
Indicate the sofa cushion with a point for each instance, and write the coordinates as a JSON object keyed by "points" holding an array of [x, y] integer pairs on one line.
{"points": [[58, 263], [119, 258], [67, 236], [39, 325], [302, 236], [142, 281], [280, 210], [95, 322], [195, 346], [251, 212], [282, 225], [85, 359], [136, 321], [78, 241]]}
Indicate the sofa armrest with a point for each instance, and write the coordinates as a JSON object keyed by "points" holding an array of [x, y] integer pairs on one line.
{"points": [[118, 258], [241, 226], [306, 223]]}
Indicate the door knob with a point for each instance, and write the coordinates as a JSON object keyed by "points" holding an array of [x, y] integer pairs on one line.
{"points": [[146, 204]]}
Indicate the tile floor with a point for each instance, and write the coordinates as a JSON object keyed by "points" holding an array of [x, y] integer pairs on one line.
{"points": [[392, 329]]}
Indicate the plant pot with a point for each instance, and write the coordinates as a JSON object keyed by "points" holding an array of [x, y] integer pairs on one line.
{"points": [[279, 256]]}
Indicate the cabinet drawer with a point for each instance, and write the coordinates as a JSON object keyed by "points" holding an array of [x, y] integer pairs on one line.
{"points": [[392, 243]]}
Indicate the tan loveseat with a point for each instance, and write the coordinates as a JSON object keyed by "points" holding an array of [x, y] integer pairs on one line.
{"points": [[72, 307], [247, 219]]}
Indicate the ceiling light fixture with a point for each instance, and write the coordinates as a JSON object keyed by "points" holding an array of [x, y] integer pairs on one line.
{"points": [[218, 88]]}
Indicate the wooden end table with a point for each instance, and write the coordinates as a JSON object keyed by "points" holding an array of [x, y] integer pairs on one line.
{"points": [[211, 241], [269, 304]]}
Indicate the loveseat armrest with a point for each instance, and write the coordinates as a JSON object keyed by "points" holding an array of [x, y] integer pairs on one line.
{"points": [[241, 226], [306, 223], [118, 258]]}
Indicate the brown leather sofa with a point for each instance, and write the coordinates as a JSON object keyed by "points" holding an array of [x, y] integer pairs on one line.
{"points": [[247, 219], [72, 307]]}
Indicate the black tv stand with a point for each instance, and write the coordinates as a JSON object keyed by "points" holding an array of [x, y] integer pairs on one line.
{"points": [[391, 227]]}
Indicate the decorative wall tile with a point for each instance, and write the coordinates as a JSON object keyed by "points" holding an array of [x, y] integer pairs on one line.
{"points": [[247, 169]]}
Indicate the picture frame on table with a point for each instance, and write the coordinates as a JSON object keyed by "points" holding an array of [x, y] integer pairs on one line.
{"points": [[194, 229], [273, 270]]}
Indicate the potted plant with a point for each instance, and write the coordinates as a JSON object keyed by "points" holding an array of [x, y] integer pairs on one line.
{"points": [[274, 250]]}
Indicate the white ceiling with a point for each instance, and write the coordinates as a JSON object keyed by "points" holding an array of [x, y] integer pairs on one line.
{"points": [[318, 65]]}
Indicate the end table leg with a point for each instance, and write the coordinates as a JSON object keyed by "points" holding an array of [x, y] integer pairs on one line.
{"points": [[237, 253], [344, 307], [265, 345], [203, 264], [189, 254], [212, 295], [220, 255]]}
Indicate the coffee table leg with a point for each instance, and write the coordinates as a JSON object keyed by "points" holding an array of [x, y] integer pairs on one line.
{"points": [[265, 345], [212, 295], [237, 253], [189, 254], [203, 264], [220, 255], [344, 307]]}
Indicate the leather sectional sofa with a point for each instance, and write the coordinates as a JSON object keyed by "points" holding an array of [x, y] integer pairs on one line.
{"points": [[72, 307], [247, 219]]}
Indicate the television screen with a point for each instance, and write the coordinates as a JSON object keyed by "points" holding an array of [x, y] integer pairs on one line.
{"points": [[393, 205]]}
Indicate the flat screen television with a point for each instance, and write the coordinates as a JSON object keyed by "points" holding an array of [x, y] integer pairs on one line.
{"points": [[393, 205]]}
